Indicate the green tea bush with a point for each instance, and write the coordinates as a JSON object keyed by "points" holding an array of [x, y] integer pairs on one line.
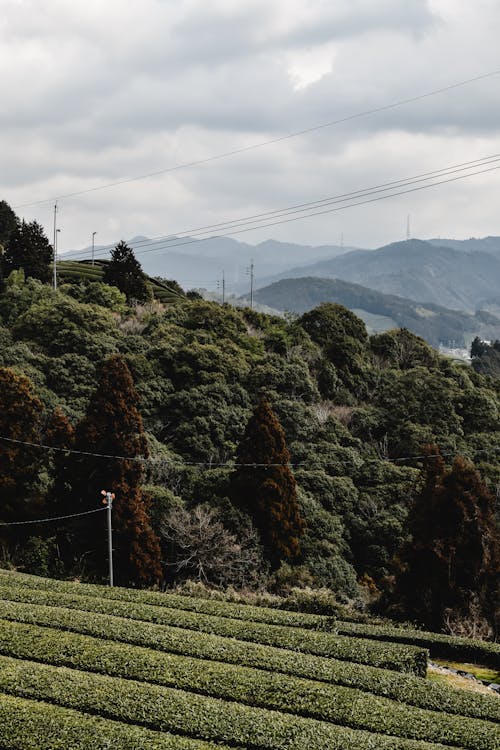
{"points": [[439, 644], [340, 705], [391, 656], [32, 725], [166, 709], [212, 648]]}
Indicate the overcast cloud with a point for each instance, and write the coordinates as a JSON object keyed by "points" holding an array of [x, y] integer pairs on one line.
{"points": [[97, 92]]}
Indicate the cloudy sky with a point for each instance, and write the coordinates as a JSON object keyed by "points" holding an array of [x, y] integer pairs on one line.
{"points": [[95, 93]]}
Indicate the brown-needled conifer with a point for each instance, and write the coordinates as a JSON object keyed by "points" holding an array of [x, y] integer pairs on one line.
{"points": [[113, 426], [264, 486]]}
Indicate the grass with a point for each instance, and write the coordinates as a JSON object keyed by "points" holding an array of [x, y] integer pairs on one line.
{"points": [[478, 670]]}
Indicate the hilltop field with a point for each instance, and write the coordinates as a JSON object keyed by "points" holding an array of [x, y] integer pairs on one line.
{"points": [[87, 666]]}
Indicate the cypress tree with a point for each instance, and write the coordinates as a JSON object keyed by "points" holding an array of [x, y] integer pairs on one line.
{"points": [[20, 419], [453, 557], [60, 433], [264, 485], [113, 426]]}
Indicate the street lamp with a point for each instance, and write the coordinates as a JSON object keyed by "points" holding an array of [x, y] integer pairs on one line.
{"points": [[93, 235]]}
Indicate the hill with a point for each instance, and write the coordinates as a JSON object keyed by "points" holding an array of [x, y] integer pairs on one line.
{"points": [[75, 272], [199, 263], [489, 245], [355, 412], [380, 312], [84, 666], [416, 270]]}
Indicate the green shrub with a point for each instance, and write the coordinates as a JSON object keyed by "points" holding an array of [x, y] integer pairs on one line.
{"points": [[166, 709], [406, 688], [439, 644], [31, 725], [249, 686], [361, 650]]}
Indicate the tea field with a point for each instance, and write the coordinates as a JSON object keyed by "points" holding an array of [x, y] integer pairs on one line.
{"points": [[85, 666]]}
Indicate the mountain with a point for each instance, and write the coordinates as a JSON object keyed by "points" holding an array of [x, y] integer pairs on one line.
{"points": [[473, 244], [415, 270], [199, 263], [380, 311]]}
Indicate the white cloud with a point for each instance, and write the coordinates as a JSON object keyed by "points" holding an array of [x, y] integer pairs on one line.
{"points": [[99, 92]]}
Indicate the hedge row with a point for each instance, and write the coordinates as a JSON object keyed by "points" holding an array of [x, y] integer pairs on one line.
{"points": [[166, 709], [32, 725], [390, 656], [249, 686], [174, 601], [439, 645], [209, 648]]}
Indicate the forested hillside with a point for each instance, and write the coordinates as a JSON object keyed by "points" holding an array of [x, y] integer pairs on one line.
{"points": [[241, 449], [354, 412], [435, 324]]}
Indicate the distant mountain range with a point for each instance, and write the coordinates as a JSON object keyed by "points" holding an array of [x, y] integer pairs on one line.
{"points": [[381, 311], [432, 287], [200, 263], [416, 270]]}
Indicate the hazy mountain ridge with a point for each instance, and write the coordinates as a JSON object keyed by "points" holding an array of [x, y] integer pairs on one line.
{"points": [[433, 322], [200, 263], [416, 270]]}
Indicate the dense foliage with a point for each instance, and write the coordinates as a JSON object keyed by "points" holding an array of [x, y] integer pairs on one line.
{"points": [[353, 412]]}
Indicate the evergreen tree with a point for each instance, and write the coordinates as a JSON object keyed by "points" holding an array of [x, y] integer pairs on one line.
{"points": [[8, 223], [124, 271], [59, 433], [453, 558], [264, 485], [113, 426], [29, 248], [20, 418]]}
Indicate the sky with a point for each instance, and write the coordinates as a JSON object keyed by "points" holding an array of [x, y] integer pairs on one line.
{"points": [[96, 93]]}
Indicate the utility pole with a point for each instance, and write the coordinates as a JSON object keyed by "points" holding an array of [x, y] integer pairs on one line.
{"points": [[408, 227], [93, 236], [250, 273], [108, 500], [55, 245], [221, 285]]}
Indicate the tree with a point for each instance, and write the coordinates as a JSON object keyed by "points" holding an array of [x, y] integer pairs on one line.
{"points": [[342, 337], [199, 546], [20, 419], [264, 486], [29, 248], [125, 272], [450, 569], [59, 433], [8, 223], [113, 426]]}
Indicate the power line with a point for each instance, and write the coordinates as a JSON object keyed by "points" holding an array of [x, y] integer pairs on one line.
{"points": [[243, 227], [356, 193], [212, 464], [54, 518], [251, 147]]}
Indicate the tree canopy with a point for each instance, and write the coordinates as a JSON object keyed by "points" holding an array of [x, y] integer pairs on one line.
{"points": [[124, 271]]}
